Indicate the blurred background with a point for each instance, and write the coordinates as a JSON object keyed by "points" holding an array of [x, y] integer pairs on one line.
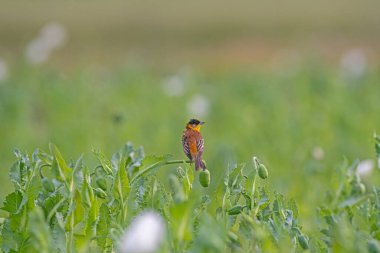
{"points": [[295, 83]]}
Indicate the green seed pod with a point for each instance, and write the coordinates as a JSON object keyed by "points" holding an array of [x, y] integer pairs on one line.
{"points": [[102, 183], [303, 241], [235, 210], [204, 178], [100, 193], [263, 172], [48, 185], [373, 246]]}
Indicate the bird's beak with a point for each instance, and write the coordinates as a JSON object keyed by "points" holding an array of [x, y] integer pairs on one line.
{"points": [[201, 123]]}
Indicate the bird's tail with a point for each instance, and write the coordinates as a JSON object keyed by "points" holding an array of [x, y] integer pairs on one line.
{"points": [[199, 164]]}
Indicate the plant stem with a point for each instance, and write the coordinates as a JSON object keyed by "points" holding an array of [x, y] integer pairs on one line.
{"points": [[176, 161], [155, 165], [255, 166]]}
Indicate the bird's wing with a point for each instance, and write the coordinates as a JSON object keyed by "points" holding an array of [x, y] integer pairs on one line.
{"points": [[185, 145], [200, 144]]}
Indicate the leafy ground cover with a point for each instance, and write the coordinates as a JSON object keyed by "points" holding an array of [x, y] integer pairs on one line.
{"points": [[60, 206]]}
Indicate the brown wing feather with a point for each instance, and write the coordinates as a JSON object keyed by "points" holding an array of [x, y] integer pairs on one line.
{"points": [[185, 145]]}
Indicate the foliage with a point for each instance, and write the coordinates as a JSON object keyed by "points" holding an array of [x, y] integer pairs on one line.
{"points": [[69, 207]]}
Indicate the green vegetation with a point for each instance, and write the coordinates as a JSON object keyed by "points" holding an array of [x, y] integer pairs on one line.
{"points": [[71, 207]]}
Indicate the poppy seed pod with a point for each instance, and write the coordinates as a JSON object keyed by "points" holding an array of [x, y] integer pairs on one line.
{"points": [[263, 172], [303, 241], [204, 178], [102, 183]]}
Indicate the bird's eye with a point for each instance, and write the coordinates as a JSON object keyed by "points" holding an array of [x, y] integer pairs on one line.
{"points": [[194, 125]]}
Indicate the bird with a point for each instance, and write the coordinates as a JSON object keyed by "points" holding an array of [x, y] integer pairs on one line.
{"points": [[193, 143]]}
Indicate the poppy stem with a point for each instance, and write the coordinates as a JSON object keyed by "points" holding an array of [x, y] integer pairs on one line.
{"points": [[177, 161]]}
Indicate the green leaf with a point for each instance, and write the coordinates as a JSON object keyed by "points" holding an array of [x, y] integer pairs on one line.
{"points": [[59, 237], [79, 214], [92, 216], [87, 192], [212, 236], [180, 223], [377, 145], [235, 210], [248, 201], [278, 204], [352, 201], [11, 239], [54, 203], [236, 177], [41, 237], [105, 163], [186, 178], [13, 202], [103, 226], [33, 189], [121, 187], [177, 191], [293, 206], [64, 170], [15, 174]]}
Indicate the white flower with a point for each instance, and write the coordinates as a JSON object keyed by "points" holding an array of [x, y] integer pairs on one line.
{"points": [[365, 168], [37, 51], [3, 70], [174, 86], [51, 37], [144, 235], [54, 35], [354, 63], [318, 153], [198, 106]]}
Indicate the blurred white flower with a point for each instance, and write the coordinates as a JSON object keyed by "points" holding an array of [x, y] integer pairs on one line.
{"points": [[198, 106], [54, 35], [354, 63], [3, 70], [51, 37], [365, 168], [144, 235], [174, 86], [37, 51], [318, 153]]}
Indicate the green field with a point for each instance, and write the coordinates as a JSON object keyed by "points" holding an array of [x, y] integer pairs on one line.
{"points": [[297, 87]]}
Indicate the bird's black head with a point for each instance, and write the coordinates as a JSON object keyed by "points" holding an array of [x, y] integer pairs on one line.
{"points": [[194, 124]]}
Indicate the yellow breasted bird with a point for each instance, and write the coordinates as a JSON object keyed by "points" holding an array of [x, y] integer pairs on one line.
{"points": [[193, 143]]}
